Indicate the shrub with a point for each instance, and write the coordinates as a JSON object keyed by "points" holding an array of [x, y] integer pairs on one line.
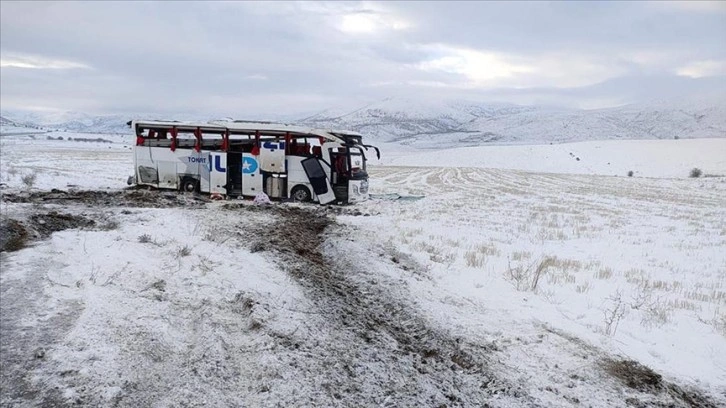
{"points": [[630, 173], [109, 225], [695, 172], [183, 251], [29, 179]]}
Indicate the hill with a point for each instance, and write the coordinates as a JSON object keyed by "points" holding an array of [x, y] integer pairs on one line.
{"points": [[427, 123]]}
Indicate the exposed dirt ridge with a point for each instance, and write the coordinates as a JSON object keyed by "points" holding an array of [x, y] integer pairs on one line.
{"points": [[434, 368], [130, 197]]}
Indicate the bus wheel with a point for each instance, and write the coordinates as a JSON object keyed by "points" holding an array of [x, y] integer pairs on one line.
{"points": [[189, 185], [301, 193]]}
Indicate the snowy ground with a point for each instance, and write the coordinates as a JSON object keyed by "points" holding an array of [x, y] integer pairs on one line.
{"points": [[506, 287], [645, 158]]}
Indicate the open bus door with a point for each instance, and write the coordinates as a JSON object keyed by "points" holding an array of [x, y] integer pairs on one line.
{"points": [[318, 179]]}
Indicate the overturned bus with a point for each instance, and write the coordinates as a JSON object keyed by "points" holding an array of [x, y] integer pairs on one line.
{"points": [[242, 158]]}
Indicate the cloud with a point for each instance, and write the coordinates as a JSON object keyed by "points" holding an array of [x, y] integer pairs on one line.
{"points": [[370, 22], [700, 69], [691, 6], [256, 57], [257, 77], [487, 69], [478, 67], [38, 62]]}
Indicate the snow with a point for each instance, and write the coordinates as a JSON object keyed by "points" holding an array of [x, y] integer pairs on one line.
{"points": [[432, 122], [452, 123], [645, 158], [87, 161], [174, 307]]}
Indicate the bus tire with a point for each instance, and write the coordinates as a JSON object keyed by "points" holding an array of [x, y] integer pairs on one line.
{"points": [[301, 193], [189, 185]]}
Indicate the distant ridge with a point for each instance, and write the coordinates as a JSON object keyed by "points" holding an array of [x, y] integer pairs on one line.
{"points": [[455, 122]]}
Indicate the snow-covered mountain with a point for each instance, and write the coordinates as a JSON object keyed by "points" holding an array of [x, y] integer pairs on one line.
{"points": [[449, 122], [457, 122], [9, 126], [400, 119], [69, 121]]}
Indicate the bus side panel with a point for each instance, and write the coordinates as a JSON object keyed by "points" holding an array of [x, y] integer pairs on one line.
{"points": [[202, 169], [296, 176], [167, 174], [217, 173], [165, 162], [192, 164], [146, 172]]}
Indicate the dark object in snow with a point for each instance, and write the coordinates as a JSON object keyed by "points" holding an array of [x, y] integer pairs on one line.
{"points": [[13, 235], [395, 197], [634, 375], [53, 221]]}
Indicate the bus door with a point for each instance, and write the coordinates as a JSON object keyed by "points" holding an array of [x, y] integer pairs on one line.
{"points": [[318, 180], [234, 173]]}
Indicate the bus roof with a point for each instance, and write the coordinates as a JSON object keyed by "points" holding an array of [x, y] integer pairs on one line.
{"points": [[249, 127]]}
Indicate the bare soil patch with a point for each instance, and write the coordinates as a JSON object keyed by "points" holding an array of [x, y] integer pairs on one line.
{"points": [[132, 197], [16, 234], [641, 378], [13, 235], [382, 328]]}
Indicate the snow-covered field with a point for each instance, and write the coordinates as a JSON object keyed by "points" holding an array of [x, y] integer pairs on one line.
{"points": [[645, 158], [513, 282]]}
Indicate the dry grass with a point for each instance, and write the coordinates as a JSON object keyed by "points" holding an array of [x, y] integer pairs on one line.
{"points": [[521, 255], [474, 260], [29, 179], [183, 251], [526, 277], [604, 273], [584, 288]]}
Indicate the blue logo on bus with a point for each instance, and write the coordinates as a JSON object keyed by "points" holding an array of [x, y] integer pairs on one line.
{"points": [[249, 165], [273, 145], [217, 164]]}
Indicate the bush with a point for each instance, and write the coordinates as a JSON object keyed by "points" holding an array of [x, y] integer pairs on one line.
{"points": [[695, 172], [109, 225], [183, 251], [29, 179], [630, 173]]}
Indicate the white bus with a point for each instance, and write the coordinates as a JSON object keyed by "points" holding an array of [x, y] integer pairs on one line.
{"points": [[242, 158]]}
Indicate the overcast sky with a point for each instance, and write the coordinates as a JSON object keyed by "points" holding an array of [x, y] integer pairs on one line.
{"points": [[246, 58]]}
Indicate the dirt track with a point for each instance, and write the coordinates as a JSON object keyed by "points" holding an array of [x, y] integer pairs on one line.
{"points": [[379, 326]]}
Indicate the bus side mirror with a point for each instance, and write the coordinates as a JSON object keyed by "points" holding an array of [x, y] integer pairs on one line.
{"points": [[378, 152]]}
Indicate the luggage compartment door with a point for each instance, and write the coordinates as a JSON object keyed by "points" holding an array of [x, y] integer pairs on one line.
{"points": [[251, 176]]}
